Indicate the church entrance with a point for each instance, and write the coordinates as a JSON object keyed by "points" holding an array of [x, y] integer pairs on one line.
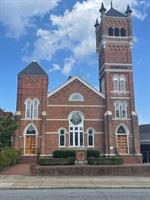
{"points": [[122, 139], [122, 144], [30, 141]]}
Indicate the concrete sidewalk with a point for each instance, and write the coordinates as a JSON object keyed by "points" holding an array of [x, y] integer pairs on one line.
{"points": [[38, 182]]}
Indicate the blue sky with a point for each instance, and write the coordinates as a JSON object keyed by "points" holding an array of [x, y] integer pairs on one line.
{"points": [[60, 35]]}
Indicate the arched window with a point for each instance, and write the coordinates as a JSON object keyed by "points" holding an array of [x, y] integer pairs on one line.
{"points": [[122, 139], [30, 140], [31, 108], [123, 110], [123, 32], [116, 31], [117, 109], [76, 97], [28, 108], [116, 83], [62, 136], [90, 136], [31, 130], [110, 31], [122, 83], [120, 110], [76, 129], [35, 110]]}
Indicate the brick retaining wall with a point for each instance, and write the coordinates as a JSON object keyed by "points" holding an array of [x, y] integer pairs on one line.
{"points": [[86, 170]]}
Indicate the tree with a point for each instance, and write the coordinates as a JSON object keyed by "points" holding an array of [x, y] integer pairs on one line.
{"points": [[8, 126]]}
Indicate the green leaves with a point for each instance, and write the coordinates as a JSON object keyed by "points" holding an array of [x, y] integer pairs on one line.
{"points": [[8, 126]]}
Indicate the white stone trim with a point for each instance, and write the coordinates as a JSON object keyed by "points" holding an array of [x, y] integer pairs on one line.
{"points": [[53, 133], [121, 119], [120, 92], [67, 119], [44, 113], [18, 113], [33, 119], [65, 105], [134, 113], [82, 81], [120, 98], [108, 112], [118, 70]]}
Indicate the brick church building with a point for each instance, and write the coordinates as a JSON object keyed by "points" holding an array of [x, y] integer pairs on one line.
{"points": [[76, 115]]}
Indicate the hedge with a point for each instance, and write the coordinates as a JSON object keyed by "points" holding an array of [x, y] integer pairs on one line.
{"points": [[56, 161], [93, 153], [114, 160], [64, 153], [8, 157]]}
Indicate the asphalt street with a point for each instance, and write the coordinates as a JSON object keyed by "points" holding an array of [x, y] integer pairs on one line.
{"points": [[71, 194]]}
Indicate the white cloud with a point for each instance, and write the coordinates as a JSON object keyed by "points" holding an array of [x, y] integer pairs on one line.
{"points": [[17, 15], [74, 29], [55, 67], [68, 66]]}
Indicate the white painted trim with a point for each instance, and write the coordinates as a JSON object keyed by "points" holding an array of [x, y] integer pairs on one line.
{"points": [[65, 105], [82, 81]]}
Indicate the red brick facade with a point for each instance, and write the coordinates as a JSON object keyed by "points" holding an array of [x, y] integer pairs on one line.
{"points": [[96, 108]]}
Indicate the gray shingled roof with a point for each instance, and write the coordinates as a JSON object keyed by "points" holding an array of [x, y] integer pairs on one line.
{"points": [[145, 132], [33, 69], [114, 13]]}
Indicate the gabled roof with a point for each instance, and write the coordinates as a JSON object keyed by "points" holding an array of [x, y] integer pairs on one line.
{"points": [[79, 79], [33, 69], [114, 13]]}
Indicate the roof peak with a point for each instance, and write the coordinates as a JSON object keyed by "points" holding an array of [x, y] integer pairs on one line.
{"points": [[114, 13], [33, 69], [82, 81]]}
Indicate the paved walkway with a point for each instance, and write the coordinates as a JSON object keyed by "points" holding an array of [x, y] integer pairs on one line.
{"points": [[36, 182], [20, 169]]}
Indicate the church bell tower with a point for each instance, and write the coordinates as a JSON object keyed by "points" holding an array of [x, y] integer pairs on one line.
{"points": [[114, 40]]}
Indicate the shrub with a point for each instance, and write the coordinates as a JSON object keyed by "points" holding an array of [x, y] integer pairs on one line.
{"points": [[93, 153], [115, 160], [56, 161], [64, 153], [8, 157]]}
